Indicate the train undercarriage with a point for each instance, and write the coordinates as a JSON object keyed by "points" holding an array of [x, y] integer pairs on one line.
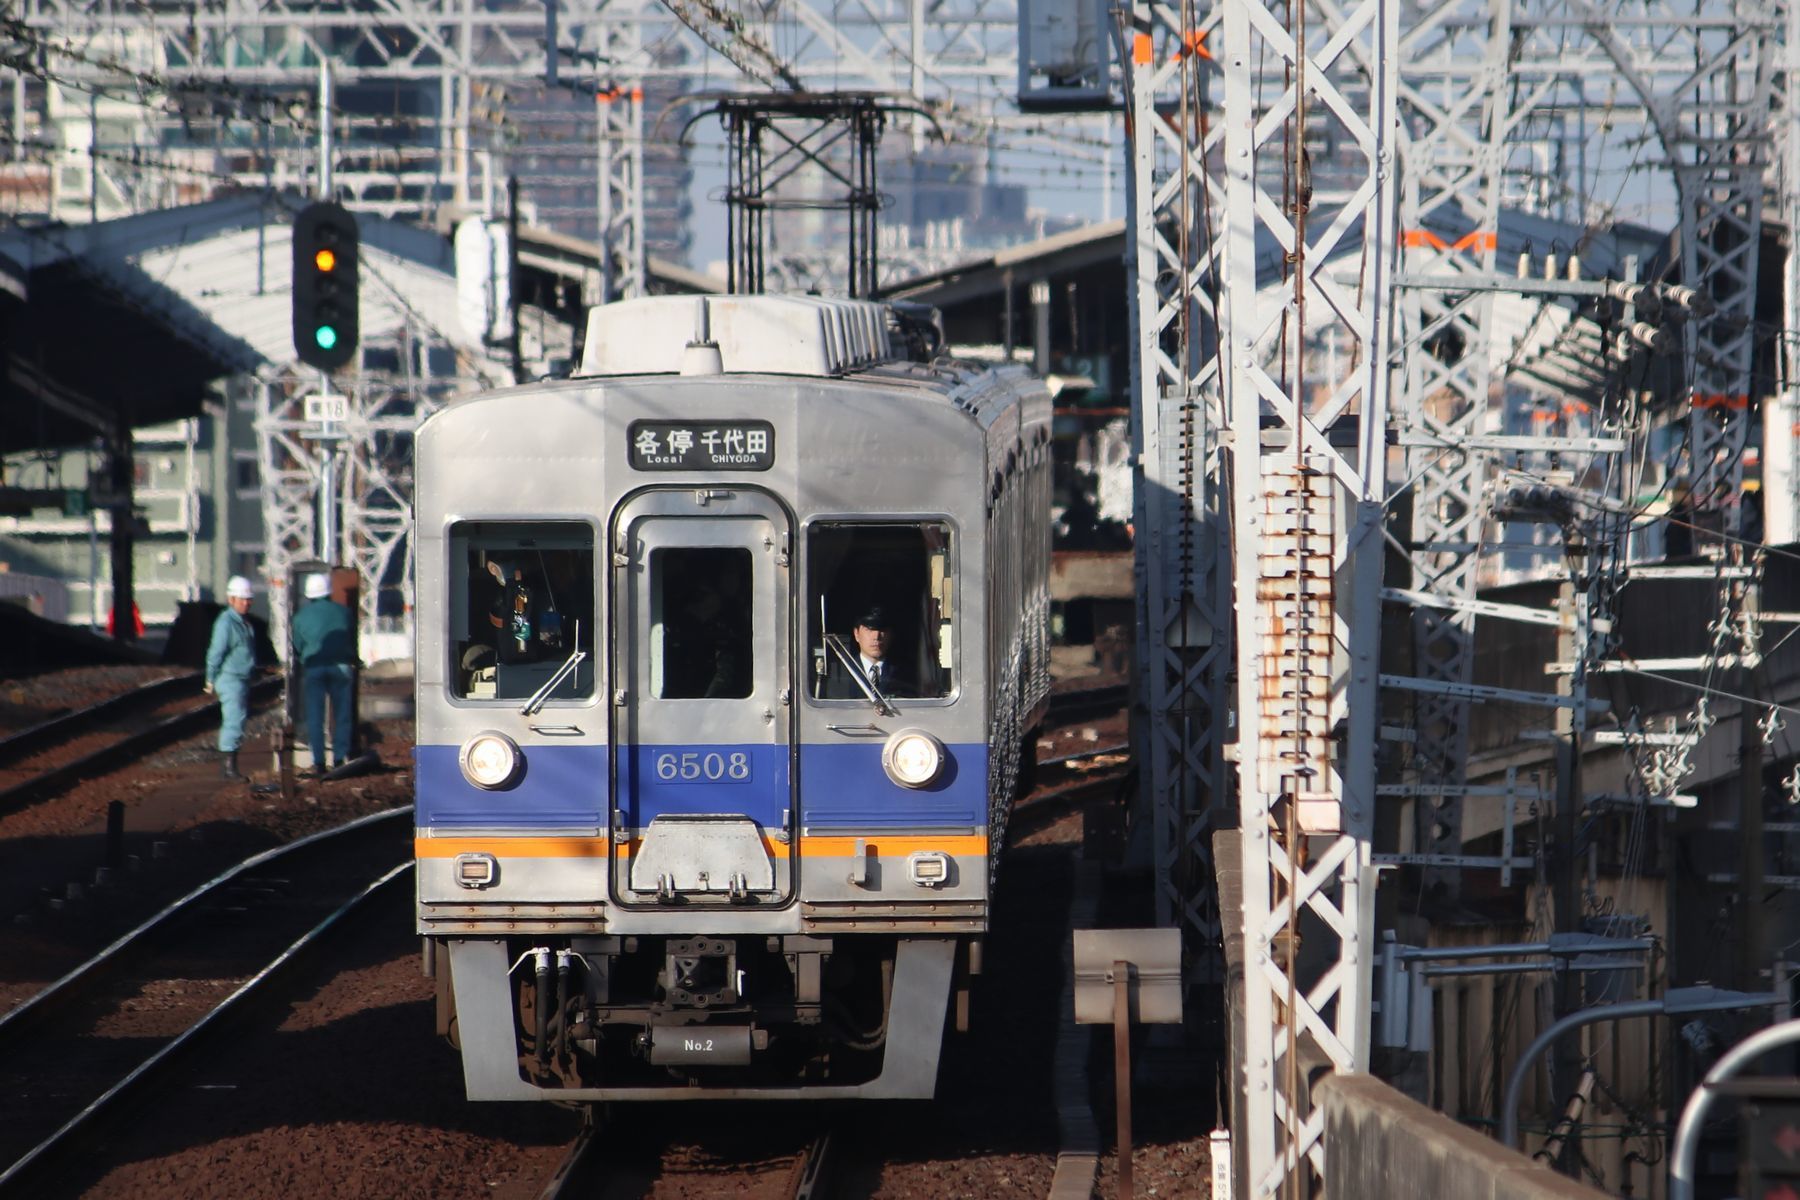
{"points": [[656, 1017]]}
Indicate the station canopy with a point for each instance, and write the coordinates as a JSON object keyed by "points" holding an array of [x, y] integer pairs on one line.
{"points": [[126, 323], [1549, 345]]}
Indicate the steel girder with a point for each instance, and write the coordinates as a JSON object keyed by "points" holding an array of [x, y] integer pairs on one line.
{"points": [[1183, 618], [620, 124], [1453, 155], [1714, 119], [241, 71], [1781, 427], [1307, 519], [373, 453], [960, 46], [959, 57]]}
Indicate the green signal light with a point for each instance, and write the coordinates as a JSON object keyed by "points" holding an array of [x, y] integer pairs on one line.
{"points": [[325, 336]]}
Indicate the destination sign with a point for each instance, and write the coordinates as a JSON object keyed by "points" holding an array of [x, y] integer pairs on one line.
{"points": [[702, 445]]}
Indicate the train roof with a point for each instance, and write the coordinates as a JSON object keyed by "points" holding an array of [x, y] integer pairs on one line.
{"points": [[761, 335]]}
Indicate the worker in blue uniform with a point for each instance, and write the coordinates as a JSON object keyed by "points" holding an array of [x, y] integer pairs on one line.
{"points": [[230, 658], [325, 644]]}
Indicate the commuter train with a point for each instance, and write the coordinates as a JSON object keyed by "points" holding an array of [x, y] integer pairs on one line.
{"points": [[674, 839]]}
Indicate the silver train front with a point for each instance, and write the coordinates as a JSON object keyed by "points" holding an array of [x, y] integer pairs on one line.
{"points": [[673, 839]]}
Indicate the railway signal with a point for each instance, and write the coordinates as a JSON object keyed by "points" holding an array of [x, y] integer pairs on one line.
{"points": [[325, 286]]}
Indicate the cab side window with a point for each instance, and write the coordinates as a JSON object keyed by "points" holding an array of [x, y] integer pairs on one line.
{"points": [[885, 592], [521, 603]]}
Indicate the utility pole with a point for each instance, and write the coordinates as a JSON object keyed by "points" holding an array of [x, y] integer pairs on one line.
{"points": [[1752, 957], [1571, 722], [512, 273], [119, 469]]}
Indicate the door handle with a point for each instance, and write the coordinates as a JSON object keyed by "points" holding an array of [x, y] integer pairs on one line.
{"points": [[557, 730], [859, 730]]}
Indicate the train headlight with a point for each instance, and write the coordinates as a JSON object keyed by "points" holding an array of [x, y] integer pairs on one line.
{"points": [[913, 758], [490, 760]]}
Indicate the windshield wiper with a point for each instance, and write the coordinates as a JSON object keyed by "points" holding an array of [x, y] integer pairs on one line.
{"points": [[550, 685], [835, 641]]}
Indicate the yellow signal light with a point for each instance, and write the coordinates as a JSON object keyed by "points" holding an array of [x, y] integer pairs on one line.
{"points": [[325, 260]]}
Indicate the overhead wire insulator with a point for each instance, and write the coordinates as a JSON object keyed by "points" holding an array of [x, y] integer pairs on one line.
{"points": [[1695, 301], [1654, 336]]}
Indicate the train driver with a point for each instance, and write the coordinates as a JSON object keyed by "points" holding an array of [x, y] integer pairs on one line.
{"points": [[873, 633]]}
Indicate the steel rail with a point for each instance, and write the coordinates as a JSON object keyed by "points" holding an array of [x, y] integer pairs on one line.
{"points": [[186, 1040], [132, 745], [1084, 755], [1044, 808], [574, 1163], [57, 728], [1069, 706], [13, 1019], [809, 1174]]}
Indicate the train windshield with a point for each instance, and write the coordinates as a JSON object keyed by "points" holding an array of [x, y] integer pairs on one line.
{"points": [[887, 594], [521, 602]]}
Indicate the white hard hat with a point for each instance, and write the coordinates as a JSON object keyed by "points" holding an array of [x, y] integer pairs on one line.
{"points": [[317, 587], [239, 588]]}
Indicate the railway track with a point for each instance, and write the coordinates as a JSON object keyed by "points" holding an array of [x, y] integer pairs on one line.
{"points": [[811, 1171], [159, 996], [619, 1158], [1070, 705], [53, 756]]}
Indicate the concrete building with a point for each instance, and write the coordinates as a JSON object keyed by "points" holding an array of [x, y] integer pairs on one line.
{"points": [[190, 519]]}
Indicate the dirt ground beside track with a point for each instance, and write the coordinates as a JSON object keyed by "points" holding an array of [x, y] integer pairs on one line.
{"points": [[352, 1094]]}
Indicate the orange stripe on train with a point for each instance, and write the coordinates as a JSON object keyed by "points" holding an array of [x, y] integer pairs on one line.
{"points": [[581, 847]]}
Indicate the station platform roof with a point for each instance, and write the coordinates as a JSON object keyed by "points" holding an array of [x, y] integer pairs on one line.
{"points": [[125, 323], [1552, 344]]}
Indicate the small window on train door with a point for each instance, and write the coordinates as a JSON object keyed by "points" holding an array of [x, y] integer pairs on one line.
{"points": [[899, 575], [521, 604], [701, 624]]}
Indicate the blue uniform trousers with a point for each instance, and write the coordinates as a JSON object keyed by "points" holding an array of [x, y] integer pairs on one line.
{"points": [[331, 681], [234, 707]]}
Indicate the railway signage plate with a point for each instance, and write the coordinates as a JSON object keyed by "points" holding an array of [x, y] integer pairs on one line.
{"points": [[1151, 959], [702, 445], [326, 408]]}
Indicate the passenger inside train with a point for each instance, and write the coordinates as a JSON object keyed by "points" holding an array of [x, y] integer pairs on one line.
{"points": [[522, 605]]}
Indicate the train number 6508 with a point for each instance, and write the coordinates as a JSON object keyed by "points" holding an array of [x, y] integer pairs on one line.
{"points": [[695, 766]]}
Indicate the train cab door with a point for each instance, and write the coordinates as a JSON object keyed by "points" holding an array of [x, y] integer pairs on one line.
{"points": [[703, 800]]}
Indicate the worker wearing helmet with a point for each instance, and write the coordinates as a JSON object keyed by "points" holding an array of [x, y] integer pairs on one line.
{"points": [[230, 658], [324, 635]]}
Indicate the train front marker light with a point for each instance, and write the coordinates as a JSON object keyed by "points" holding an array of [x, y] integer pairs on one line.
{"points": [[490, 760], [928, 868], [477, 870], [913, 758]]}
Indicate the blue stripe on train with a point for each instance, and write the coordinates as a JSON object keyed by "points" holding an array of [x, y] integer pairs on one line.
{"points": [[846, 788], [563, 786], [681, 780], [566, 786]]}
